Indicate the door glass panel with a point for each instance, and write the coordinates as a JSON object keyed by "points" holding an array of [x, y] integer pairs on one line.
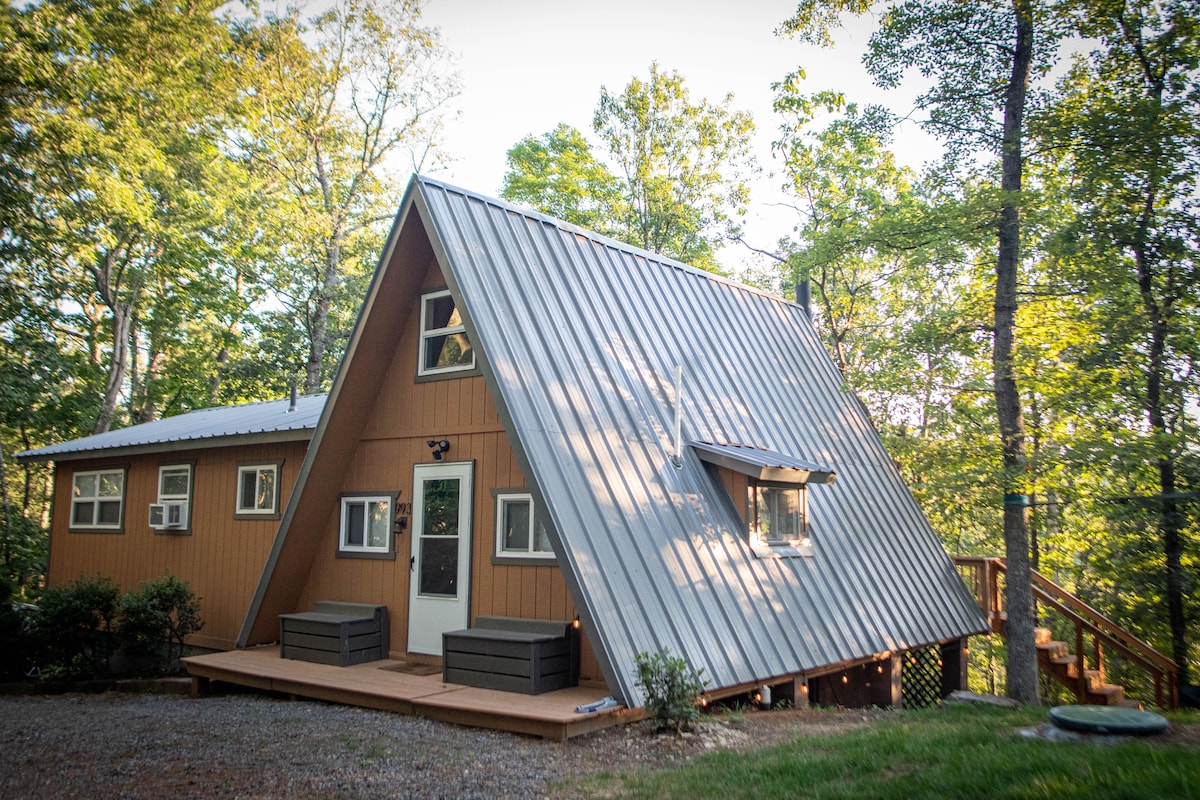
{"points": [[439, 538], [441, 507], [439, 566]]}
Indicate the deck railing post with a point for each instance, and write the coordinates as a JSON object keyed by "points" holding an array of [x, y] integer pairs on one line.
{"points": [[1080, 663]]}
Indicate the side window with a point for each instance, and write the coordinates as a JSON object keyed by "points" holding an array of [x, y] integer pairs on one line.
{"points": [[444, 343], [174, 496], [778, 514], [366, 524], [518, 532], [258, 490], [98, 499]]}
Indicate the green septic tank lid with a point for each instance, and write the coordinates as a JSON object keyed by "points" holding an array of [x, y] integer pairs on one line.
{"points": [[1107, 719]]}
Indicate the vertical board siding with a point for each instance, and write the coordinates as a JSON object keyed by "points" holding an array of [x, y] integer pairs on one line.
{"points": [[220, 557], [406, 414]]}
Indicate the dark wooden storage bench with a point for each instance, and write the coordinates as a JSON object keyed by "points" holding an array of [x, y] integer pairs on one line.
{"points": [[335, 633], [515, 655]]}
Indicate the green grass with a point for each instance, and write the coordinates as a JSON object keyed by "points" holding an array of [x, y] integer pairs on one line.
{"points": [[951, 752]]}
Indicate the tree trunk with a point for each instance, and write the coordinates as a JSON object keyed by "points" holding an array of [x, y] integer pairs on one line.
{"points": [[320, 323], [118, 365], [1019, 627]]}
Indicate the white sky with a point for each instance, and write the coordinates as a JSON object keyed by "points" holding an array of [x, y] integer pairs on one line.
{"points": [[528, 65]]}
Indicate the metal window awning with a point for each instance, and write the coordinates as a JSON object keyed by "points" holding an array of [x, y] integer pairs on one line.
{"points": [[763, 464]]}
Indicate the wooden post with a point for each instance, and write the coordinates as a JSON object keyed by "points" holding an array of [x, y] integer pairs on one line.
{"points": [[954, 666]]}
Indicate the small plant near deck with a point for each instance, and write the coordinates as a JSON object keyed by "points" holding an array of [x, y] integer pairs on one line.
{"points": [[673, 689]]}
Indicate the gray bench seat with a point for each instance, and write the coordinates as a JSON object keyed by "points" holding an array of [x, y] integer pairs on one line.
{"points": [[335, 633], [512, 654]]}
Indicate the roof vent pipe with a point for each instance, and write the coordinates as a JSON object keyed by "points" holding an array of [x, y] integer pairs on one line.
{"points": [[677, 458], [804, 296], [292, 404]]}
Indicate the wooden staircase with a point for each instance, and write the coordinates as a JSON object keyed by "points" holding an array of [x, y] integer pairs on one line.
{"points": [[1056, 660], [1068, 662]]}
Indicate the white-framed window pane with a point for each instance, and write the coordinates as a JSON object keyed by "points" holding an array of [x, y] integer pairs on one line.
{"points": [[355, 524], [366, 524], [99, 499], [111, 484], [264, 497], [83, 514], [778, 513], [445, 346], [515, 517], [85, 485], [173, 483], [377, 524], [257, 489]]}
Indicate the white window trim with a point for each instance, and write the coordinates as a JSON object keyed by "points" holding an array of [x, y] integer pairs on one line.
{"points": [[186, 496], [95, 500], [502, 499], [253, 511], [427, 333], [365, 499]]}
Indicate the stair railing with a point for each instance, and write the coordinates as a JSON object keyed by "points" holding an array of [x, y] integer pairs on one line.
{"points": [[982, 575]]}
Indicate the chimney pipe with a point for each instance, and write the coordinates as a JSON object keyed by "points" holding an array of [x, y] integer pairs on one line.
{"points": [[804, 296], [292, 404]]}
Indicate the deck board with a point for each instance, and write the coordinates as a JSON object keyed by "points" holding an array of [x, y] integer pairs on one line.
{"points": [[377, 685]]}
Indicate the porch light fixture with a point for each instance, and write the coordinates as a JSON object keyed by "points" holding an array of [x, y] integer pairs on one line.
{"points": [[438, 446]]}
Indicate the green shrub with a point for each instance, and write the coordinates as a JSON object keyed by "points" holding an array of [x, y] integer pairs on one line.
{"points": [[672, 688], [155, 618], [74, 626]]}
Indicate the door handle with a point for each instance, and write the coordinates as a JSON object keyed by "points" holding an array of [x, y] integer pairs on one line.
{"points": [[412, 563]]}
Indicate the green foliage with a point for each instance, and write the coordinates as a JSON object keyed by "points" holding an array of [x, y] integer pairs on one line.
{"points": [[952, 751], [680, 176], [672, 688], [75, 626], [155, 619]]}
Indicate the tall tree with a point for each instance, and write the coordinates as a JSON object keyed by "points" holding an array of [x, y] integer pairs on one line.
{"points": [[323, 129], [1126, 135], [558, 174], [684, 164], [678, 176], [115, 110], [978, 57]]}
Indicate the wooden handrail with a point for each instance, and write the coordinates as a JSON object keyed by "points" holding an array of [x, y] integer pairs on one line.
{"points": [[985, 572]]}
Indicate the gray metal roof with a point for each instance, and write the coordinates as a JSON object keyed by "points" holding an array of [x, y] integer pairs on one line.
{"points": [[580, 337], [272, 420]]}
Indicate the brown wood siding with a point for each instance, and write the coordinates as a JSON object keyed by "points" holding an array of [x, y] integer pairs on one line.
{"points": [[221, 557], [405, 415]]}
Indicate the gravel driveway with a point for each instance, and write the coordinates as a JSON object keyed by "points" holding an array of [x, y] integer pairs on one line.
{"points": [[255, 746]]}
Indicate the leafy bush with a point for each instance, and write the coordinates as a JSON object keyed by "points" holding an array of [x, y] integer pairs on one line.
{"points": [[672, 687], [156, 618], [74, 626]]}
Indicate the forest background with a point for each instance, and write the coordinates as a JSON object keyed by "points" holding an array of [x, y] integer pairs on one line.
{"points": [[193, 197]]}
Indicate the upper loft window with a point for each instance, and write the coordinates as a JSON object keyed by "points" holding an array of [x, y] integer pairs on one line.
{"points": [[98, 499], [258, 490], [444, 344], [519, 534], [778, 514]]}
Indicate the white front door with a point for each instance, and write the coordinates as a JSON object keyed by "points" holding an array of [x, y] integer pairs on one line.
{"points": [[440, 566]]}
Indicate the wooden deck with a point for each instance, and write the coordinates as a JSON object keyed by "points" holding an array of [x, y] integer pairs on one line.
{"points": [[379, 685]]}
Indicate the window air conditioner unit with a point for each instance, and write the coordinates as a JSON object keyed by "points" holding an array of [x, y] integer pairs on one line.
{"points": [[168, 515]]}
